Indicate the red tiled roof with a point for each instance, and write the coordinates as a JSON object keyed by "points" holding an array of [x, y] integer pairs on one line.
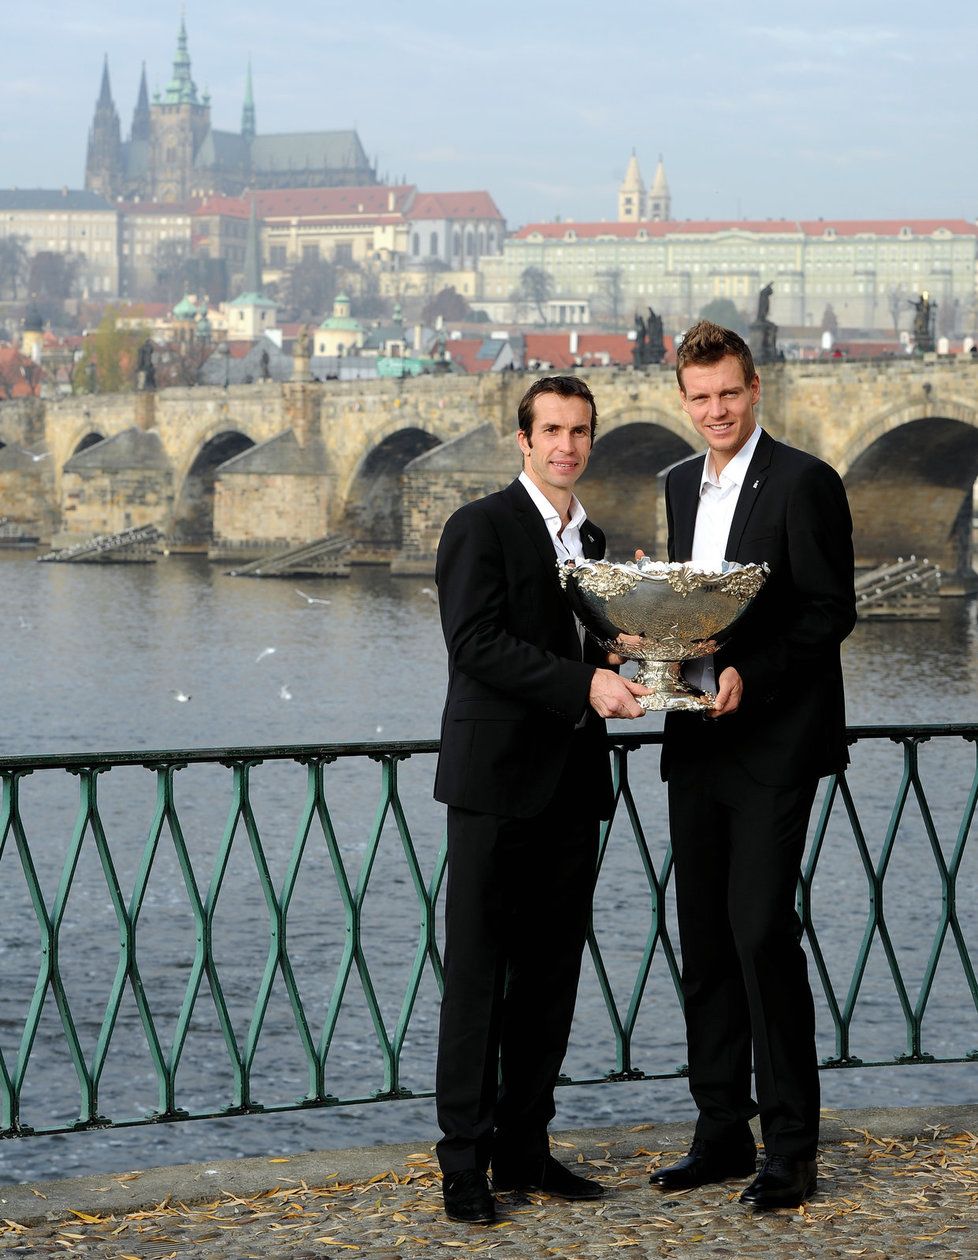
{"points": [[887, 227], [773, 227], [20, 376], [464, 352], [239, 348], [274, 203], [554, 348], [454, 205], [230, 207]]}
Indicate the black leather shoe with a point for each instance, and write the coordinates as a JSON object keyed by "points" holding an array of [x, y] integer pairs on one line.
{"points": [[781, 1183], [706, 1162], [467, 1197], [550, 1177]]}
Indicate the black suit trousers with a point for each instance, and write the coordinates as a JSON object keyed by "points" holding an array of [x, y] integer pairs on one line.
{"points": [[517, 907], [738, 846]]}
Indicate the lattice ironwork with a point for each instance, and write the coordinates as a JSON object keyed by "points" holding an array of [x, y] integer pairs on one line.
{"points": [[841, 841]]}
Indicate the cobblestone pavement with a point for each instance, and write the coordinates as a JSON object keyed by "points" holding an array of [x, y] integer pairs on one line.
{"points": [[879, 1198]]}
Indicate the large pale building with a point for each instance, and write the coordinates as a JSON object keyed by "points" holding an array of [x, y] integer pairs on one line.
{"points": [[67, 221], [866, 270], [452, 230], [173, 153]]}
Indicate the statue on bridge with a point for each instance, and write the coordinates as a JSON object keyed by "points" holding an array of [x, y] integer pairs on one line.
{"points": [[763, 331], [924, 320], [145, 368], [650, 344]]}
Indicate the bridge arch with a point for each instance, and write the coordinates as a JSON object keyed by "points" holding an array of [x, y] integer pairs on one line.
{"points": [[621, 489], [373, 508], [910, 478], [193, 507], [91, 438]]}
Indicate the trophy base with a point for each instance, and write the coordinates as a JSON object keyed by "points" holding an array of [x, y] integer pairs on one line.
{"points": [[669, 689]]}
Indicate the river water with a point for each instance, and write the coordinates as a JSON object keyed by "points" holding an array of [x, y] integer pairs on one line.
{"points": [[97, 658]]}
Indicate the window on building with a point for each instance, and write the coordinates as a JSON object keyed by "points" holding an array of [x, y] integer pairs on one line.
{"points": [[310, 253], [415, 244], [277, 256], [343, 252], [433, 245]]}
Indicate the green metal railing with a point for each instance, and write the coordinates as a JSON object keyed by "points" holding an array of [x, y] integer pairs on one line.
{"points": [[70, 1040]]}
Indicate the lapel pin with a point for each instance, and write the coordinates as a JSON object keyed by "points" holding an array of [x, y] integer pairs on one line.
{"points": [[756, 484]]}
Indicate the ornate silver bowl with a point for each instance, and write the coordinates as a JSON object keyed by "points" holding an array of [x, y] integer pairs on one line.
{"points": [[672, 613]]}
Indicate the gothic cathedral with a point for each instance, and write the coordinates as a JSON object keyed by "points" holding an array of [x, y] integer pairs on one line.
{"points": [[173, 154]]}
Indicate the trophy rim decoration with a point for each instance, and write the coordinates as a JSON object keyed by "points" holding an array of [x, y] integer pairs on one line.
{"points": [[593, 585]]}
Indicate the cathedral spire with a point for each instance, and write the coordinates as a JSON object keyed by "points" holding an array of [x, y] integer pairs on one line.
{"points": [[140, 115], [181, 90], [105, 92], [103, 161], [248, 111]]}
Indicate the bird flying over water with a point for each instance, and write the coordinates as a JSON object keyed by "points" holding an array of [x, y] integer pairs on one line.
{"points": [[263, 653], [284, 692], [181, 696], [429, 594], [310, 599]]}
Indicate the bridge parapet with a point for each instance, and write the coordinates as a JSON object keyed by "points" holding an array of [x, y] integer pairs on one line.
{"points": [[363, 435]]}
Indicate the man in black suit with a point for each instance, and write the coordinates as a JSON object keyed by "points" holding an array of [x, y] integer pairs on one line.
{"points": [[743, 780], [523, 769]]}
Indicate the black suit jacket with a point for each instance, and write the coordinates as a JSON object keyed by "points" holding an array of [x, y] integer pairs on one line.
{"points": [[793, 514], [517, 683]]}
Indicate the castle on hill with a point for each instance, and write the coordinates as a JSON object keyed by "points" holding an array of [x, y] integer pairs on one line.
{"points": [[174, 154]]}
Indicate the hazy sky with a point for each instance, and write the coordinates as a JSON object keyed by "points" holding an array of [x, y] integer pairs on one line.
{"points": [[847, 108]]}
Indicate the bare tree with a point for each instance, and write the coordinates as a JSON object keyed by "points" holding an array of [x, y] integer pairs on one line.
{"points": [[536, 289], [447, 303], [170, 270], [53, 275], [307, 290], [13, 264], [724, 311], [611, 297], [179, 362], [368, 301], [896, 300]]}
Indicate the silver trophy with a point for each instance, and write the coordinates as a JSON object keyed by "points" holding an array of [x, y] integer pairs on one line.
{"points": [[671, 613]]}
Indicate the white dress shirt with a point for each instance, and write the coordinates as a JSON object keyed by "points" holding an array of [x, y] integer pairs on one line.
{"points": [[714, 516], [566, 540]]}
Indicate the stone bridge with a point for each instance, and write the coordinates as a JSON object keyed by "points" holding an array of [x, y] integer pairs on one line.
{"points": [[250, 468]]}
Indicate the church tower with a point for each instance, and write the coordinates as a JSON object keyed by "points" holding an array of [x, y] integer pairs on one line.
{"points": [[248, 111], [103, 161], [140, 115], [631, 194], [179, 123], [660, 200]]}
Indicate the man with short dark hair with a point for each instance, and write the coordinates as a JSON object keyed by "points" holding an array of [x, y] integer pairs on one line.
{"points": [[743, 781], [523, 768]]}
